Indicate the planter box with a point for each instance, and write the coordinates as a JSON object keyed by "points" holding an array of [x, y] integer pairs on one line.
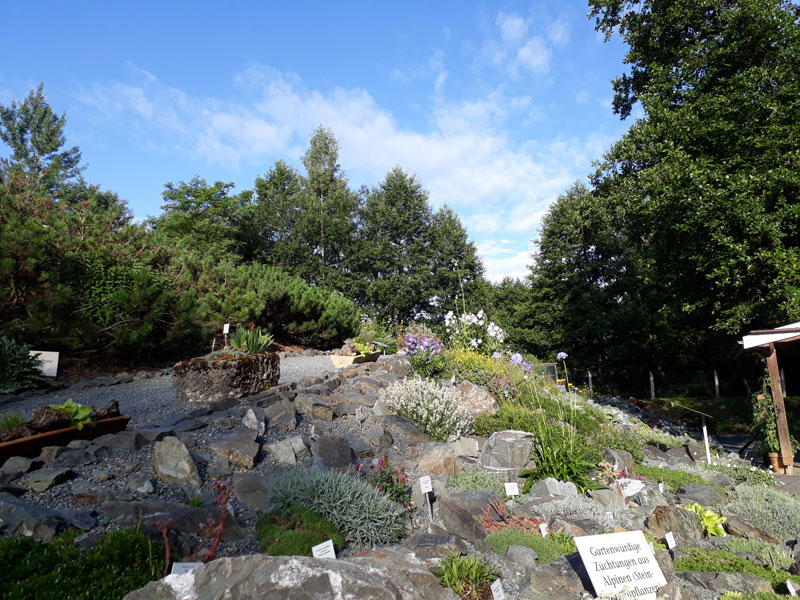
{"points": [[31, 446], [203, 381], [343, 361]]}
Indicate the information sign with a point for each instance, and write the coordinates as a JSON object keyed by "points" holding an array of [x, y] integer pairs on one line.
{"points": [[543, 529], [181, 568], [49, 362], [512, 489], [497, 590], [226, 329], [324, 550], [425, 484]]}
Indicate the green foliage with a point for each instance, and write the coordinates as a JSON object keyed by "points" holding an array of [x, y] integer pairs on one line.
{"points": [[19, 370], [651, 539], [467, 482], [435, 408], [79, 413], [468, 576], [673, 480], [618, 438], [357, 509], [547, 548], [763, 551], [11, 421], [494, 375], [752, 596], [250, 341], [773, 511], [720, 561], [295, 531], [743, 473], [709, 520], [196, 501], [392, 483], [124, 561], [561, 454], [765, 423]]}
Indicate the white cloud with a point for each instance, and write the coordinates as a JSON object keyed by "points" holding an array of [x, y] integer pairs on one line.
{"points": [[558, 32], [399, 76], [535, 55], [512, 27], [582, 97], [515, 266]]}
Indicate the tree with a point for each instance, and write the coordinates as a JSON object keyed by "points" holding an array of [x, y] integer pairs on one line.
{"points": [[35, 135]]}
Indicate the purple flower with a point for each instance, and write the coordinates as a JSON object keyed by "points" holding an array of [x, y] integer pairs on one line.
{"points": [[516, 358], [497, 356], [526, 366], [561, 356]]}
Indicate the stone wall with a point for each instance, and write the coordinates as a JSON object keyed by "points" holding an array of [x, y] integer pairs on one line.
{"points": [[201, 381]]}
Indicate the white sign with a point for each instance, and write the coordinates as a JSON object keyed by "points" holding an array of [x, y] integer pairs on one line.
{"points": [[497, 590], [661, 486], [360, 412], [226, 328], [543, 529], [324, 550], [425, 484], [49, 364], [790, 587], [181, 568], [670, 540], [621, 565], [512, 489]]}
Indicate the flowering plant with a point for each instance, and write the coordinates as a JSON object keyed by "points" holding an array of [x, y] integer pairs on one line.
{"points": [[472, 331], [426, 355], [392, 483]]}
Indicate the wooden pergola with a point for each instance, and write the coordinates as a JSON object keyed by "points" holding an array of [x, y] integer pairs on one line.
{"points": [[763, 341]]}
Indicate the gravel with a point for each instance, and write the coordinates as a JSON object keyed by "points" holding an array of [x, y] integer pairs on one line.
{"points": [[150, 397]]}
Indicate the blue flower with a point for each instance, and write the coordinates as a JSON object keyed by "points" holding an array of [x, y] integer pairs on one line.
{"points": [[516, 358], [561, 356]]}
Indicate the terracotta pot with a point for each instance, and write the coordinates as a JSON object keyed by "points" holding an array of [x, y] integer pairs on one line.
{"points": [[343, 361], [32, 445], [775, 460]]}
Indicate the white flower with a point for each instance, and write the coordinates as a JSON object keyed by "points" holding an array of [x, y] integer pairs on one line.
{"points": [[474, 343]]}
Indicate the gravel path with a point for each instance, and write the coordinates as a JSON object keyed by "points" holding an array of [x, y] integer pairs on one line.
{"points": [[150, 397]]}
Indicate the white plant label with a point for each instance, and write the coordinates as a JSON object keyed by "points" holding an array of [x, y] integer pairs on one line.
{"points": [[661, 486], [512, 489], [543, 529], [181, 568], [497, 590], [49, 362], [652, 548], [360, 412], [324, 550], [621, 565], [790, 587], [226, 329], [670, 540], [425, 484]]}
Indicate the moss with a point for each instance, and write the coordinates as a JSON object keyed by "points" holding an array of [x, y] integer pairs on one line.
{"points": [[672, 479], [295, 531], [721, 561], [547, 548]]}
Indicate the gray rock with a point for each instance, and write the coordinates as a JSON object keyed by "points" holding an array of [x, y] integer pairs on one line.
{"points": [[718, 478], [618, 459], [433, 545], [649, 497], [238, 446], [476, 399], [21, 464], [684, 524], [379, 409], [719, 582], [124, 441], [575, 526], [437, 458], [379, 437], [655, 453], [562, 579], [288, 451], [459, 513], [155, 434], [506, 453], [43, 479], [41, 523], [174, 464], [334, 451], [361, 449], [609, 498], [50, 453], [523, 556], [80, 457], [89, 494], [281, 416], [466, 446], [254, 421], [386, 574], [400, 427], [252, 489], [738, 527], [79, 444], [314, 406], [550, 486], [140, 483], [707, 495], [186, 425]]}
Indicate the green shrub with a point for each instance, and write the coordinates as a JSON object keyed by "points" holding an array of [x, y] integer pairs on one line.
{"points": [[710, 521], [357, 509], [547, 548], [773, 511], [672, 479], [80, 414], [761, 550], [250, 341], [468, 482], [743, 473], [720, 561], [295, 531], [124, 561], [609, 436], [658, 438], [482, 370], [19, 371], [467, 576], [508, 416], [435, 408]]}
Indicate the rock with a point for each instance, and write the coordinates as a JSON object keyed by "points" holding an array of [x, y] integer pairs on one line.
{"points": [[174, 464], [459, 513], [705, 495], [437, 458], [385, 574], [20, 464], [618, 459], [360, 448], [79, 444], [523, 556], [433, 545], [684, 524], [609, 498], [400, 427], [314, 406], [655, 453], [379, 409], [476, 399], [506, 453], [288, 451], [465, 446], [649, 497], [281, 416], [574, 526], [253, 421], [333, 450], [140, 483], [109, 410], [549, 486], [49, 453], [124, 441], [48, 419], [738, 527], [239, 447], [379, 437], [201, 380], [80, 458], [252, 489], [40, 523], [680, 455], [718, 478], [564, 578], [719, 582], [89, 494], [155, 434], [630, 487], [43, 479]]}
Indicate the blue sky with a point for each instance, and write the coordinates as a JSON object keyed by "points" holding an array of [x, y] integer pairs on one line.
{"points": [[497, 107]]}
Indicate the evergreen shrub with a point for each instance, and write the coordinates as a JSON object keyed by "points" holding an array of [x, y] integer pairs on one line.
{"points": [[295, 531], [19, 371]]}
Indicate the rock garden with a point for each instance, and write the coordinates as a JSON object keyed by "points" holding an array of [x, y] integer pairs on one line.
{"points": [[230, 464]]}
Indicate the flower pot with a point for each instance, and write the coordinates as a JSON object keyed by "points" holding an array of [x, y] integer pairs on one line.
{"points": [[775, 460], [343, 361], [200, 380], [32, 445]]}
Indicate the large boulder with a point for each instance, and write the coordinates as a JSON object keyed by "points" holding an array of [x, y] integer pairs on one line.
{"points": [[476, 399], [174, 464], [22, 518], [238, 446], [206, 381], [506, 453], [684, 524]]}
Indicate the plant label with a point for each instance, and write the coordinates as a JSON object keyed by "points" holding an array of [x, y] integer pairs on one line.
{"points": [[670, 540], [360, 412], [652, 548], [621, 565], [497, 590], [425, 484], [661, 486], [49, 362], [512, 489], [226, 329], [324, 550], [790, 587], [182, 568], [543, 529]]}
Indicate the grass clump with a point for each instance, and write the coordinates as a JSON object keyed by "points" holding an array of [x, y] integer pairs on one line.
{"points": [[743, 473], [753, 596], [124, 561], [468, 482], [672, 479], [468, 576], [610, 436], [773, 511], [295, 531], [722, 561], [761, 550], [12, 421], [355, 508], [547, 548]]}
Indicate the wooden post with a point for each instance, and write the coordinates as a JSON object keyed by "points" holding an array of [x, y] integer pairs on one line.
{"points": [[780, 410], [652, 387], [716, 384]]}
